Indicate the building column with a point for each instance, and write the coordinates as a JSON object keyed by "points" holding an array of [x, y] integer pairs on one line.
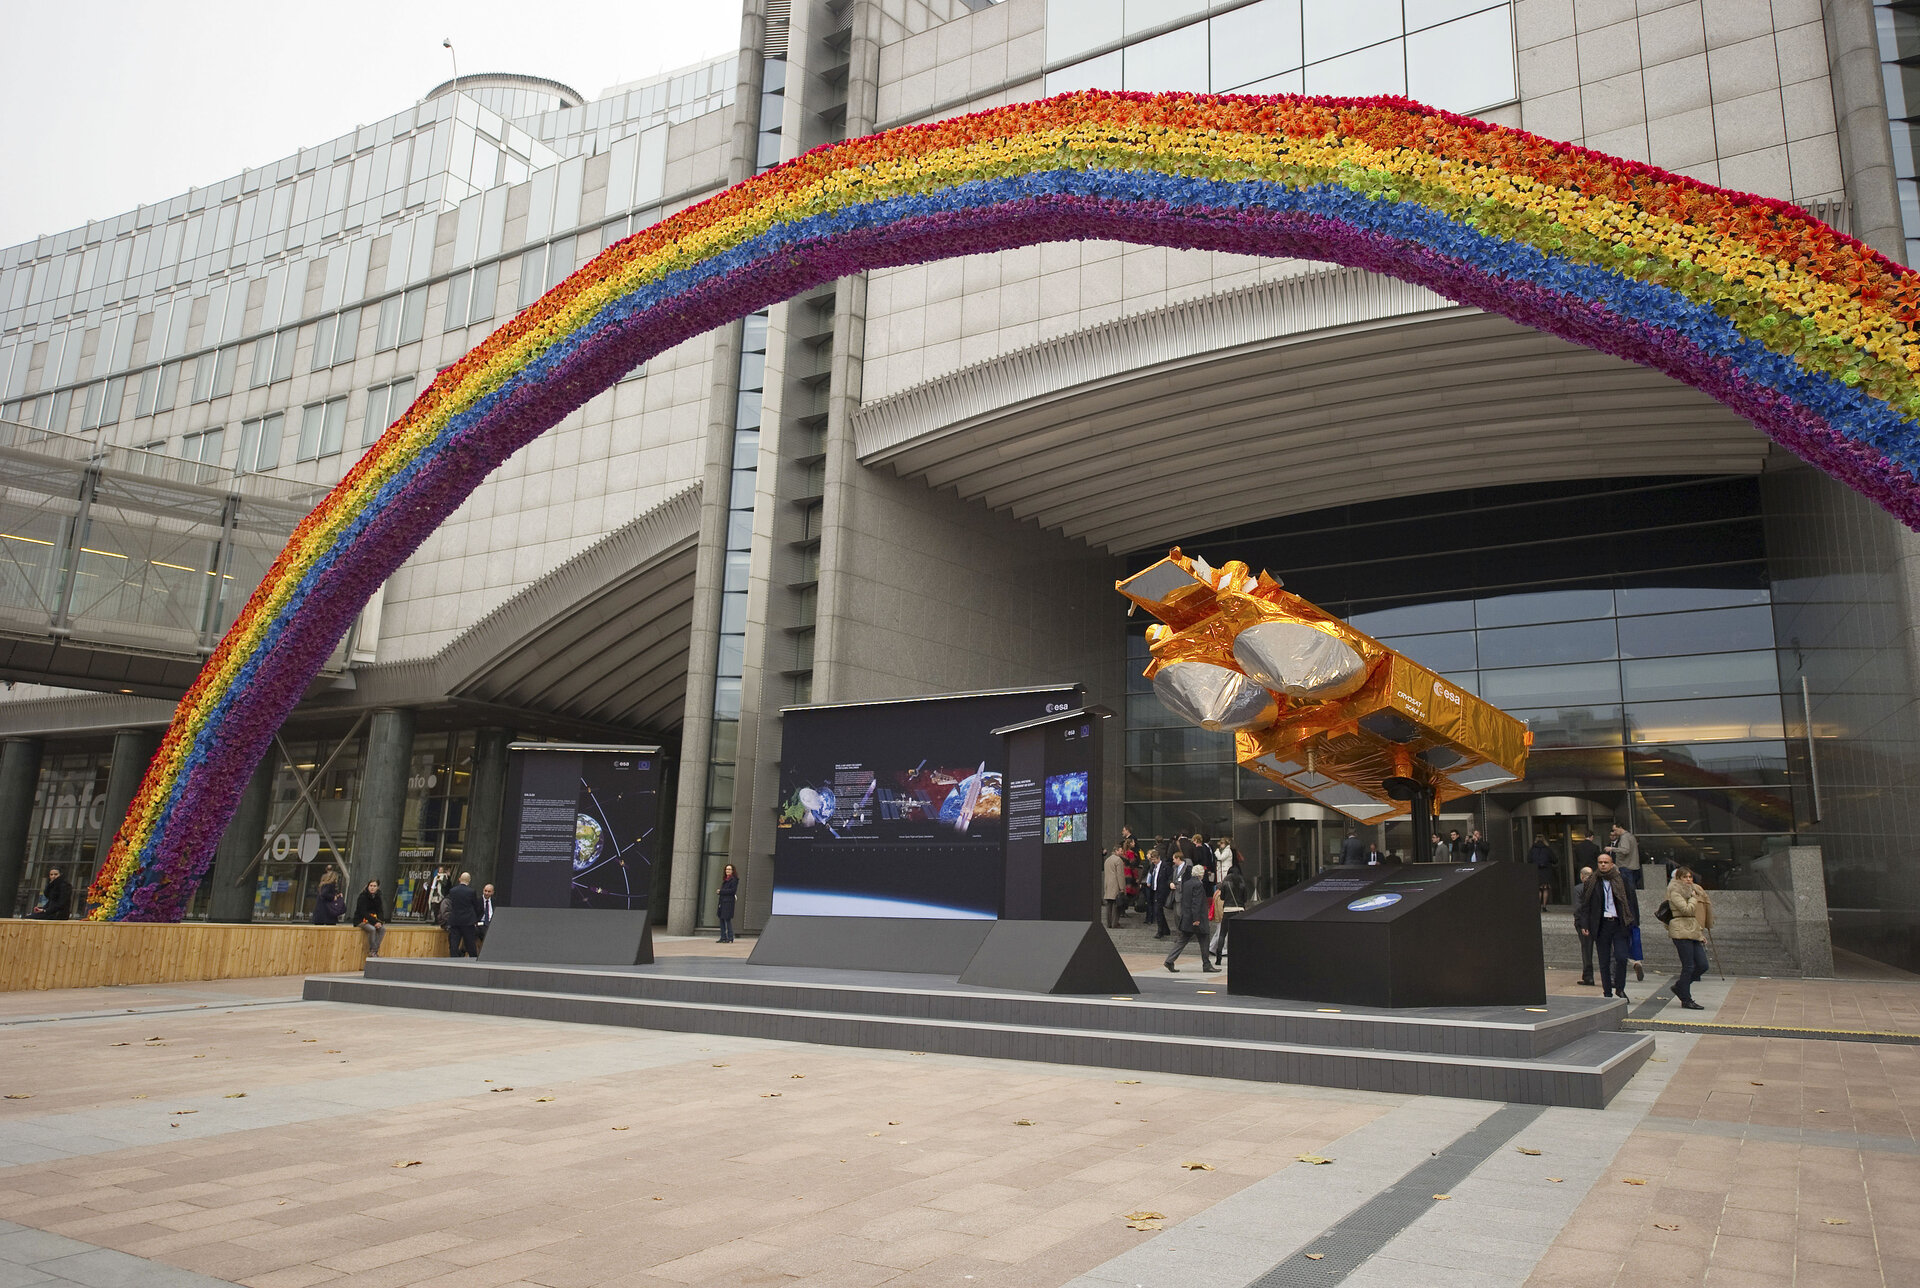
{"points": [[132, 751], [1860, 113], [19, 779], [485, 798], [383, 800], [234, 878]]}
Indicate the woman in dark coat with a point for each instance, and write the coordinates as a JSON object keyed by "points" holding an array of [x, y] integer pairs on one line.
{"points": [[328, 907], [56, 898], [729, 889], [370, 914]]}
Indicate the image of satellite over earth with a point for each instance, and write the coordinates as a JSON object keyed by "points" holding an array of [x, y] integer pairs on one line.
{"points": [[932, 801]]}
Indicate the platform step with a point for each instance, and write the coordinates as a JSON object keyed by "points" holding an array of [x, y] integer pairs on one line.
{"points": [[1163, 1006], [1584, 1072]]}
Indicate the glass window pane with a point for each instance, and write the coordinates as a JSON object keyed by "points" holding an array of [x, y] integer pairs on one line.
{"points": [[284, 346], [1706, 720], [262, 364], [1575, 725], [1680, 599], [1428, 13], [1450, 652], [346, 336], [1716, 631], [335, 431], [1096, 73], [1416, 619], [1293, 82], [267, 454], [1709, 764], [223, 364], [533, 275], [1540, 645], [323, 343], [559, 261], [1175, 61], [1145, 15], [1253, 43], [388, 333], [1379, 70], [1544, 606], [203, 377], [456, 310], [1352, 24], [413, 317], [1463, 66], [377, 420], [313, 419], [1710, 676], [1539, 686], [1075, 26], [486, 284]]}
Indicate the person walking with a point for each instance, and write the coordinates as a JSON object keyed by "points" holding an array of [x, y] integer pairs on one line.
{"points": [[1613, 909], [1580, 925], [1691, 912], [56, 898], [1113, 884], [1230, 897], [486, 916], [370, 914], [1160, 890], [1541, 856], [463, 918], [1191, 915], [1353, 850], [723, 902], [1625, 849]]}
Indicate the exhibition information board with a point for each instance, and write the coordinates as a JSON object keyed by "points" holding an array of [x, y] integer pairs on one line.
{"points": [[580, 826], [903, 809]]}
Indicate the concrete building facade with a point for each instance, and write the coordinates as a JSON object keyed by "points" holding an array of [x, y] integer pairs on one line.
{"points": [[926, 479]]}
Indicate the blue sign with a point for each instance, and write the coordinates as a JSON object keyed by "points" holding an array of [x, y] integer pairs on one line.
{"points": [[1373, 903]]}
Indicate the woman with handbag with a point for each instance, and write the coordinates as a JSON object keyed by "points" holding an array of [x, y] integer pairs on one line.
{"points": [[723, 904], [1687, 912]]}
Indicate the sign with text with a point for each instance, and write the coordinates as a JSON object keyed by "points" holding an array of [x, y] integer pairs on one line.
{"points": [[580, 826], [902, 809]]}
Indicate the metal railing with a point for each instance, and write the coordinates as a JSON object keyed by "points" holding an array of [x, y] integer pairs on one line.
{"points": [[118, 547]]}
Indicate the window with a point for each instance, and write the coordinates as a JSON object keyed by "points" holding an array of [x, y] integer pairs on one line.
{"points": [[284, 345], [387, 334], [533, 275], [413, 314], [385, 403], [323, 343], [1255, 42], [203, 447], [224, 363], [322, 428], [103, 402], [157, 385], [559, 261], [203, 378], [260, 443], [336, 339], [455, 313]]}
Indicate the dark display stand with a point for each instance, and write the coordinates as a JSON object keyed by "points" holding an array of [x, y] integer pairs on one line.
{"points": [[925, 946], [569, 937], [1393, 935], [1049, 957]]}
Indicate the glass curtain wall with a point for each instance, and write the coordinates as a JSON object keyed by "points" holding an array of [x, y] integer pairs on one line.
{"points": [[1627, 622], [433, 826], [316, 836], [68, 811]]}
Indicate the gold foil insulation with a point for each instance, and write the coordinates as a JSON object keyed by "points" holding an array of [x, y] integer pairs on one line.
{"points": [[1342, 712]]}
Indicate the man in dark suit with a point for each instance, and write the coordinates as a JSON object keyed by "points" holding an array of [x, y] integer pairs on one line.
{"points": [[1192, 917], [1159, 888], [463, 918], [1612, 909], [1353, 849], [486, 913]]}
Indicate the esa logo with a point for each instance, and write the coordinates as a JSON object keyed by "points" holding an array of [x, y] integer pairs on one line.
{"points": [[1054, 708], [1373, 903]]}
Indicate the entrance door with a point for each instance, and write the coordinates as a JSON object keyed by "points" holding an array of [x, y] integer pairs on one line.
{"points": [[1558, 832], [1295, 850]]}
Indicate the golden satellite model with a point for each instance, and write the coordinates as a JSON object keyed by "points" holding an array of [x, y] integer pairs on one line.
{"points": [[1313, 703]]}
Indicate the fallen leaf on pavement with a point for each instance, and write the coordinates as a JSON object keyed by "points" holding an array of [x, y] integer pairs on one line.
{"points": [[769, 1095], [1442, 1198], [1128, 1082], [408, 1162], [541, 1100], [1524, 1150], [1756, 1084], [619, 1129], [1662, 1225], [186, 1111], [122, 1044], [721, 1066], [797, 1075], [1024, 1122], [1835, 1220], [873, 1133], [1316, 1256], [236, 1095], [1315, 1159], [1144, 1215], [19, 1095], [1197, 1167], [1145, 1225], [1556, 1179], [499, 1088], [1632, 1180]]}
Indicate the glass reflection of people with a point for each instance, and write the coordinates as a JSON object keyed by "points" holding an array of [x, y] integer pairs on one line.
{"points": [[370, 914], [723, 905]]}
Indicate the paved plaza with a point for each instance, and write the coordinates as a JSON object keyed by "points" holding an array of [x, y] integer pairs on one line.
{"points": [[195, 1134]]}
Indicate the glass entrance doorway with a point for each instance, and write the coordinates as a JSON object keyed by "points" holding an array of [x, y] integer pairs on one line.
{"points": [[1560, 821]]}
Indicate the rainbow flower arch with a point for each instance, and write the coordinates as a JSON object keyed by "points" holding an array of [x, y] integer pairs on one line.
{"points": [[1800, 329]]}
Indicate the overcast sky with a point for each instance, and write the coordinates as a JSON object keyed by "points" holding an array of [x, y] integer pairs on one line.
{"points": [[113, 103]]}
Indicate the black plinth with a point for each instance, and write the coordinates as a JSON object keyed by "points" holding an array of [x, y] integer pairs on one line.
{"points": [[570, 937], [1048, 957], [1420, 934]]}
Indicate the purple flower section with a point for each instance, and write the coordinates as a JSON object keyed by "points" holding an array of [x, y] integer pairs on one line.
{"points": [[326, 603]]}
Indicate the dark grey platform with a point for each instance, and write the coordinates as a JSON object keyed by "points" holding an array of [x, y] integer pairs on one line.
{"points": [[571, 936], [1568, 1052]]}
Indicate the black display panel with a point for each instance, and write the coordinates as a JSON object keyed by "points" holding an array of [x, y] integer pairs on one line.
{"points": [[899, 809], [1053, 781], [580, 826]]}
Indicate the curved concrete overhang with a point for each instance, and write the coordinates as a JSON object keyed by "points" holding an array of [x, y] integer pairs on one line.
{"points": [[1337, 387], [599, 641]]}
